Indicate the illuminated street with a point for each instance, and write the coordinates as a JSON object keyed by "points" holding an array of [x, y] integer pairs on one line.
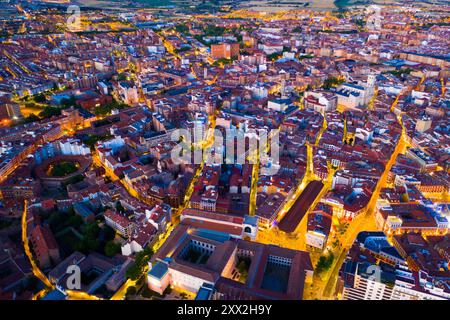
{"points": [[323, 285], [36, 271]]}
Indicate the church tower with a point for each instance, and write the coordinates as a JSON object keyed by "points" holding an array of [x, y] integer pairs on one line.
{"points": [[371, 79]]}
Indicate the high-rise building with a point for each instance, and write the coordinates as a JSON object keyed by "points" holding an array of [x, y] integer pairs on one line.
{"points": [[375, 270], [9, 110]]}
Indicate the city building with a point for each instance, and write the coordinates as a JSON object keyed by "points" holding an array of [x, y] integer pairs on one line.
{"points": [[319, 226], [45, 246], [320, 101], [361, 277], [225, 50], [193, 258], [119, 223]]}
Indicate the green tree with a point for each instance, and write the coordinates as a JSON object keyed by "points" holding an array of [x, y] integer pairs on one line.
{"points": [[140, 261], [401, 72], [182, 28], [324, 263], [31, 118], [91, 140], [122, 77], [90, 242], [68, 102], [108, 233], [106, 109], [131, 291], [90, 229], [49, 112], [63, 168], [112, 248], [360, 23], [212, 30], [40, 97], [133, 272], [222, 61], [274, 56], [75, 220], [332, 82]]}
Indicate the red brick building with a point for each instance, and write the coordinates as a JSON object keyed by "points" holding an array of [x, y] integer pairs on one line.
{"points": [[225, 50], [45, 246]]}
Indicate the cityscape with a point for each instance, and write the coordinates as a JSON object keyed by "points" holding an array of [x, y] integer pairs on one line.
{"points": [[224, 150]]}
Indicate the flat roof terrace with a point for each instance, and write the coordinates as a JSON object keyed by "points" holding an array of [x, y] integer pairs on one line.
{"points": [[291, 220]]}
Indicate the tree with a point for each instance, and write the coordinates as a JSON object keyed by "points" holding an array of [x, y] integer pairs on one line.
{"points": [[75, 220], [167, 291], [359, 22], [31, 118], [112, 248], [404, 197], [324, 263], [31, 105], [183, 49], [63, 168], [212, 30], [332, 82], [68, 102], [223, 61], [108, 233], [242, 267], [56, 221], [106, 109], [401, 72], [199, 38], [140, 261], [40, 97], [91, 140], [182, 28], [122, 77], [49, 112], [274, 56], [131, 291], [133, 272], [90, 229], [90, 242], [306, 56]]}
